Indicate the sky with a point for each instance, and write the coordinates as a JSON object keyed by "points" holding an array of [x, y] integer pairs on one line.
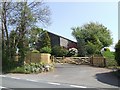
{"points": [[66, 15]]}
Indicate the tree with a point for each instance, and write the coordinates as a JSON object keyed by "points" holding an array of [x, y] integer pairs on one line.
{"points": [[44, 40], [21, 16], [117, 52], [29, 15], [34, 34], [13, 44], [92, 37], [5, 15], [4, 10]]}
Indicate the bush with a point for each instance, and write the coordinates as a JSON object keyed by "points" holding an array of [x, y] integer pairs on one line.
{"points": [[35, 51], [117, 52], [45, 50], [59, 51], [33, 68], [110, 57], [45, 39], [19, 69]]}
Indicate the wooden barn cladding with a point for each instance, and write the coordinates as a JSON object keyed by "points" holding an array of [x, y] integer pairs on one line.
{"points": [[61, 41]]}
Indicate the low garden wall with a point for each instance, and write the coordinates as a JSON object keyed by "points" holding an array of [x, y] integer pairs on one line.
{"points": [[45, 58], [33, 57], [36, 58]]}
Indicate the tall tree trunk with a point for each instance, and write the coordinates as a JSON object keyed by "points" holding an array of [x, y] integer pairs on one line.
{"points": [[5, 37]]}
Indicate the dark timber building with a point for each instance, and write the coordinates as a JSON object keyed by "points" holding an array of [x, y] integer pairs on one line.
{"points": [[61, 41]]}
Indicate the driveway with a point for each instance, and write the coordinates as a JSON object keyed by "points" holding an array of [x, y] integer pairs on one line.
{"points": [[83, 75]]}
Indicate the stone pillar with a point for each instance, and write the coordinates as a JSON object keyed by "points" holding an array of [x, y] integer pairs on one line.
{"points": [[45, 58]]}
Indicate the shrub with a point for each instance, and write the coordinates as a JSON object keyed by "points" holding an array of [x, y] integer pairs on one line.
{"points": [[45, 50], [45, 39], [59, 51], [33, 68], [117, 52], [19, 69], [35, 51], [38, 67], [110, 57]]}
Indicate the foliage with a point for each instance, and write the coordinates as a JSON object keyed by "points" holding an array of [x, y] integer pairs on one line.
{"points": [[33, 68], [93, 36], [44, 40], [19, 69], [110, 58], [13, 44], [117, 52], [45, 50], [91, 48], [59, 51], [23, 46], [34, 34], [20, 16], [35, 51], [106, 49], [72, 52], [81, 47], [9, 65], [6, 9]]}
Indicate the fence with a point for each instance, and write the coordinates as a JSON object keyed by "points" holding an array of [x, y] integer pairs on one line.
{"points": [[98, 61], [73, 60], [94, 61]]}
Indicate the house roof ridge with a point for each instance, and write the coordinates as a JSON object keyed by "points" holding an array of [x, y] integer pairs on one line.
{"points": [[61, 36]]}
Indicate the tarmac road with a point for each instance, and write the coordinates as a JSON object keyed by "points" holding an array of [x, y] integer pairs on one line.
{"points": [[71, 76]]}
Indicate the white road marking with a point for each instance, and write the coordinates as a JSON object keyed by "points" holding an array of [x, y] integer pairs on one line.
{"points": [[14, 78], [31, 80], [19, 78], [2, 76], [78, 86], [2, 87], [54, 83]]}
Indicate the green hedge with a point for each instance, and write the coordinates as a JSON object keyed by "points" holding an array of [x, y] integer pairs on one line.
{"points": [[117, 52], [110, 58], [59, 51], [45, 50]]}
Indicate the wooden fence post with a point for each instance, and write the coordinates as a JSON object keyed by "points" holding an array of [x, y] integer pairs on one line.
{"points": [[104, 62]]}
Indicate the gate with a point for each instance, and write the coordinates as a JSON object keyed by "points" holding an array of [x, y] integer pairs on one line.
{"points": [[73, 60], [93, 61]]}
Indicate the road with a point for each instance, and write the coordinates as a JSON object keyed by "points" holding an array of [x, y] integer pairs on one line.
{"points": [[8, 82], [66, 76]]}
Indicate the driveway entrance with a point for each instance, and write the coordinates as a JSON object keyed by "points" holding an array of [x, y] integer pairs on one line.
{"points": [[84, 75]]}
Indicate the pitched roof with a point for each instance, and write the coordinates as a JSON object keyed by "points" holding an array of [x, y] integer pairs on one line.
{"points": [[61, 36]]}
